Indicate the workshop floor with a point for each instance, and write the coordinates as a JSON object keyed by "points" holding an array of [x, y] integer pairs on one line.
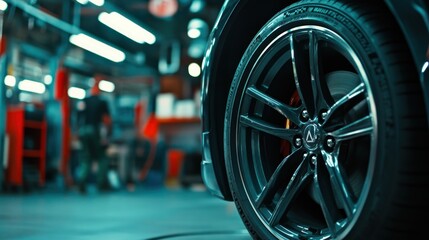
{"points": [[146, 213]]}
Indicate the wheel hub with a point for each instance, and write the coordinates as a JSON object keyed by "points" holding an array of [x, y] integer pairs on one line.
{"points": [[312, 136]]}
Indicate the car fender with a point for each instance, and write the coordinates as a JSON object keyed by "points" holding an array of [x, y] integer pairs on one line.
{"points": [[412, 19]]}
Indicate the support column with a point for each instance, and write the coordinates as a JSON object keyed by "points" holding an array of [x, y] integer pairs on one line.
{"points": [[61, 87]]}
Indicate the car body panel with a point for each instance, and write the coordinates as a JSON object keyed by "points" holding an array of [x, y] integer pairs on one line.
{"points": [[412, 17], [210, 172]]}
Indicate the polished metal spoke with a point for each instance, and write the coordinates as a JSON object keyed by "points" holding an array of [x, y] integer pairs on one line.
{"points": [[352, 97], [299, 180], [359, 128], [340, 184], [326, 198], [288, 112], [263, 126], [302, 76], [274, 183], [319, 99]]}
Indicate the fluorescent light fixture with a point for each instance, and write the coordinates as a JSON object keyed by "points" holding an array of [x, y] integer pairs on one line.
{"points": [[77, 93], [91, 82], [106, 86], [100, 48], [9, 93], [3, 5], [126, 27], [197, 6], [10, 81], [25, 97], [97, 2], [197, 28], [194, 70], [194, 33], [32, 86], [47, 79], [83, 2]]}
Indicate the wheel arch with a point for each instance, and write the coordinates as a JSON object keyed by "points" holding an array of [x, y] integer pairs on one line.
{"points": [[411, 18], [230, 40]]}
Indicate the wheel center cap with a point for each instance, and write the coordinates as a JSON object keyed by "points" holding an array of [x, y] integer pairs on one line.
{"points": [[311, 136]]}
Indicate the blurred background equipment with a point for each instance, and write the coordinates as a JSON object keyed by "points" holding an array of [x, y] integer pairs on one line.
{"points": [[144, 58], [150, 54]]}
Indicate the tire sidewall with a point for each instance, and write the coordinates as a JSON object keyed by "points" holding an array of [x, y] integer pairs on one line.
{"points": [[359, 39]]}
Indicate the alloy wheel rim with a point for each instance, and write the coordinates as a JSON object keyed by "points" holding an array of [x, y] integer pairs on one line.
{"points": [[322, 131]]}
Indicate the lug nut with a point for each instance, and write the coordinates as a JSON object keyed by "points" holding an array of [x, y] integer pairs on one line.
{"points": [[323, 115], [298, 142], [305, 155], [330, 143], [314, 160], [305, 114]]}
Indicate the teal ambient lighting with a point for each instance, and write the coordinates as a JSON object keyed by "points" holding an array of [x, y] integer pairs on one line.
{"points": [[126, 27], [95, 46]]}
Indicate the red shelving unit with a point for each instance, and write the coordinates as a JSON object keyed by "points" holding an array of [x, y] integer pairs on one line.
{"points": [[25, 163]]}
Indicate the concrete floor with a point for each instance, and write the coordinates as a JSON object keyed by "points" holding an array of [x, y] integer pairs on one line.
{"points": [[146, 213]]}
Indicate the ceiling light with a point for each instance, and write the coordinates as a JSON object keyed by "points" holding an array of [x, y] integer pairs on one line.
{"points": [[83, 2], [97, 2], [26, 97], [194, 70], [77, 93], [126, 27], [32, 86], [197, 28], [163, 8], [47, 79], [93, 45], [3, 5], [10, 81], [106, 86], [194, 33], [196, 48], [197, 6], [9, 93]]}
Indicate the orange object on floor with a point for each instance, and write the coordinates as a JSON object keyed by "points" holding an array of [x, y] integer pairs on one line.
{"points": [[174, 162], [150, 132]]}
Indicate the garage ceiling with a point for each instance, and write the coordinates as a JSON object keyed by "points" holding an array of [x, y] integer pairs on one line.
{"points": [[23, 24]]}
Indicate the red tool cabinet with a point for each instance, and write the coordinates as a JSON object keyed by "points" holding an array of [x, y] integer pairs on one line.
{"points": [[27, 148]]}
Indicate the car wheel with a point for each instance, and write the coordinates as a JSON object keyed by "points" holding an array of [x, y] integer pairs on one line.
{"points": [[325, 130]]}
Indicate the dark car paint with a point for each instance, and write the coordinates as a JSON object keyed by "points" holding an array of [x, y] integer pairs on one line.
{"points": [[413, 17], [238, 22], [214, 174], [220, 62]]}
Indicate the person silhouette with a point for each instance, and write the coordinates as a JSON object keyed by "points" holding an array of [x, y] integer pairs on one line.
{"points": [[94, 122]]}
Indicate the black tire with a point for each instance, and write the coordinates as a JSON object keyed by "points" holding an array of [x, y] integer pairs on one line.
{"points": [[328, 140]]}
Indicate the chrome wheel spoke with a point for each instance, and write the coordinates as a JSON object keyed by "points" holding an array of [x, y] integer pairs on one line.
{"points": [[301, 73], [340, 184], [319, 99], [288, 112], [263, 126], [298, 181], [274, 184], [358, 128], [326, 198], [353, 97]]}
